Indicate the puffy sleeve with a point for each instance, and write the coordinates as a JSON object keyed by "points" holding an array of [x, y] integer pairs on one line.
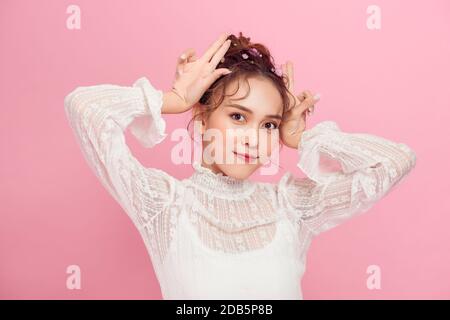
{"points": [[98, 116], [370, 167]]}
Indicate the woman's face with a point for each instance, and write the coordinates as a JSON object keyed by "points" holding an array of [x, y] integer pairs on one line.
{"points": [[243, 126]]}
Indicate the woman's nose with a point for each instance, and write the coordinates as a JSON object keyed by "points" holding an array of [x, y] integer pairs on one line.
{"points": [[250, 137]]}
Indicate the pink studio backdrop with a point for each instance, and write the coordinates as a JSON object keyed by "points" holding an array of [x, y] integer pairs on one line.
{"points": [[392, 82]]}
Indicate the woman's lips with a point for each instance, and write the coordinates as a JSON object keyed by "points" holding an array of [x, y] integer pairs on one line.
{"points": [[245, 156]]}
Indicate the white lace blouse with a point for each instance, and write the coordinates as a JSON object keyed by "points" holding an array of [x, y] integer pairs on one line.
{"points": [[211, 236]]}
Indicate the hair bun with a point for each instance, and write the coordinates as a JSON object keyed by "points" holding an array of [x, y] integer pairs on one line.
{"points": [[240, 42]]}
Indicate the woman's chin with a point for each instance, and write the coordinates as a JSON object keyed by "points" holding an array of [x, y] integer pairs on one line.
{"points": [[239, 171]]}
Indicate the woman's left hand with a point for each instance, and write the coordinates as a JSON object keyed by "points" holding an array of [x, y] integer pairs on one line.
{"points": [[294, 119]]}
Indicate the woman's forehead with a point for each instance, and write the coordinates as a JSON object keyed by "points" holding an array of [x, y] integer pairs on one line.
{"points": [[259, 94]]}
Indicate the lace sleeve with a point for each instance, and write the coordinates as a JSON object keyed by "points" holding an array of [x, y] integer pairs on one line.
{"points": [[99, 115], [370, 167]]}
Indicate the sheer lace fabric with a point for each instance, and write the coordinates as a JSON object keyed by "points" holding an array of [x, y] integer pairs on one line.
{"points": [[212, 236]]}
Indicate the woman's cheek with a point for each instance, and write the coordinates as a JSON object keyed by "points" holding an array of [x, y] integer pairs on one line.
{"points": [[272, 142], [264, 145]]}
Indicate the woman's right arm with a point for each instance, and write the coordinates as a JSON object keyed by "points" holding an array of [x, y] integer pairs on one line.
{"points": [[99, 115]]}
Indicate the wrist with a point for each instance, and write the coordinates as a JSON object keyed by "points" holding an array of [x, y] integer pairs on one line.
{"points": [[172, 103]]}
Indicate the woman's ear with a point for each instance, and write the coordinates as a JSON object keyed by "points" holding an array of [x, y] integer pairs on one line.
{"points": [[198, 113]]}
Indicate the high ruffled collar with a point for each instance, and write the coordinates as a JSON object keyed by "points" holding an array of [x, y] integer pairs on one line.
{"points": [[218, 183]]}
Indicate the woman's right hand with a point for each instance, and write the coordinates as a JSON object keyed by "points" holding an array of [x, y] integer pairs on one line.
{"points": [[194, 76]]}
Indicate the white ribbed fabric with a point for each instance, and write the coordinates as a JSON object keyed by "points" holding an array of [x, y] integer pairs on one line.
{"points": [[211, 236]]}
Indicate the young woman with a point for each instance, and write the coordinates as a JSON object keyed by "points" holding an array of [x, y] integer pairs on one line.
{"points": [[216, 234]]}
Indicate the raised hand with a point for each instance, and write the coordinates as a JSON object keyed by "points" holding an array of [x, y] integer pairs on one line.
{"points": [[194, 76], [294, 120]]}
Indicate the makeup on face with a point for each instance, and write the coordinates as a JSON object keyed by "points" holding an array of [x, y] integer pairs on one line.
{"points": [[256, 112]]}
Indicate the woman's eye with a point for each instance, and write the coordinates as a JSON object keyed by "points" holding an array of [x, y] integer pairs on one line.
{"points": [[239, 117], [233, 116], [275, 126]]}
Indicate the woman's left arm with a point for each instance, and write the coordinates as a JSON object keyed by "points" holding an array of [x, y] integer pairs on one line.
{"points": [[371, 167]]}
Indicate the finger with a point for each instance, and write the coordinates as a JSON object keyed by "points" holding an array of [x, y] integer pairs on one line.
{"points": [[219, 54], [301, 97], [304, 118], [305, 99], [290, 72], [216, 74], [192, 58], [285, 69], [188, 53], [316, 98], [214, 47], [309, 101], [184, 58]]}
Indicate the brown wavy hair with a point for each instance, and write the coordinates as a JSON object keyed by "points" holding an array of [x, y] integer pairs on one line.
{"points": [[245, 59]]}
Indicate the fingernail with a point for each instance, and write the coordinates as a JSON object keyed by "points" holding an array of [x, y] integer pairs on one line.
{"points": [[183, 56], [317, 96]]}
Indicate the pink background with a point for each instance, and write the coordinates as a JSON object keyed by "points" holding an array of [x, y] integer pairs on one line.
{"points": [[392, 82]]}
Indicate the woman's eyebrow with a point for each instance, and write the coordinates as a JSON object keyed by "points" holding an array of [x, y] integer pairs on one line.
{"points": [[234, 105]]}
